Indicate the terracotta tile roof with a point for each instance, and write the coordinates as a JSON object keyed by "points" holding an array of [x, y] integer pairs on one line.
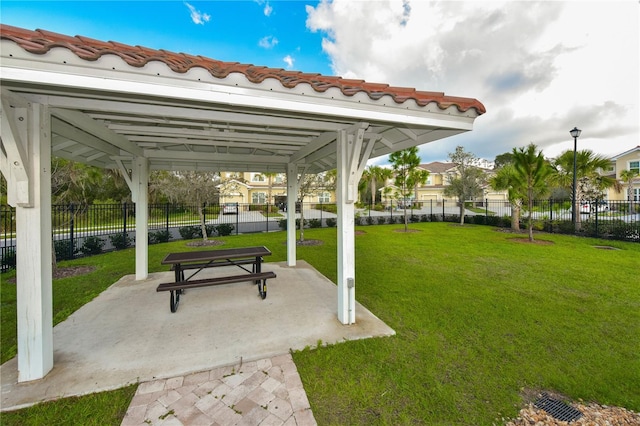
{"points": [[41, 41]]}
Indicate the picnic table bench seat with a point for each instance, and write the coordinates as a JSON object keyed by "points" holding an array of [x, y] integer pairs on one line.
{"points": [[176, 288]]}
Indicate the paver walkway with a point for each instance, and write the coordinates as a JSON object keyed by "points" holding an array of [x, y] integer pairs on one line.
{"points": [[265, 392]]}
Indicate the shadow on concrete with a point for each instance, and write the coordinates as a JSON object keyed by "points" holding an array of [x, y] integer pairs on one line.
{"points": [[127, 334]]}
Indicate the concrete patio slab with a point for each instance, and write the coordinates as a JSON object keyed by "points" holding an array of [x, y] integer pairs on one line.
{"points": [[127, 334]]}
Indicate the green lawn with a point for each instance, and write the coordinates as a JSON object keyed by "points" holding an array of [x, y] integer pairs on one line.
{"points": [[480, 320]]}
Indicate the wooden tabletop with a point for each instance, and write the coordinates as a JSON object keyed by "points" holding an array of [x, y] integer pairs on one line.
{"points": [[208, 255]]}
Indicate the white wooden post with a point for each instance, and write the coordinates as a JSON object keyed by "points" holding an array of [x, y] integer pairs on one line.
{"points": [[346, 236], [26, 138], [292, 195], [351, 161], [140, 195]]}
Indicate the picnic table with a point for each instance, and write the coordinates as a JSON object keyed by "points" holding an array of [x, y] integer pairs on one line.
{"points": [[196, 261]]}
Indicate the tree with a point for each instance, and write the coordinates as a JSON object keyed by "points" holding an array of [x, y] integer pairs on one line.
{"points": [[269, 176], [190, 186], [502, 160], [372, 176], [311, 184], [506, 179], [590, 183], [628, 177], [468, 182], [531, 171], [407, 175]]}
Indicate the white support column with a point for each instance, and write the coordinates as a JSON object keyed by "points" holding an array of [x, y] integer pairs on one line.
{"points": [[350, 165], [26, 137], [140, 195], [292, 195]]}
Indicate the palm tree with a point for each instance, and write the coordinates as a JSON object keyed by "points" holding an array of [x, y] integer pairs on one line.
{"points": [[590, 184], [531, 171], [628, 177], [372, 176], [506, 179]]}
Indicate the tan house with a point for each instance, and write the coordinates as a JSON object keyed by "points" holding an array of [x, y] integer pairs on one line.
{"points": [[433, 190], [259, 188], [628, 160]]}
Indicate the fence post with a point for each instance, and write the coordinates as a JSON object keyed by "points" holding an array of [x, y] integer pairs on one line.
{"points": [[204, 213], [443, 202], [71, 223], [238, 218], [431, 209], [268, 213], [124, 222], [597, 205], [486, 210], [166, 209]]}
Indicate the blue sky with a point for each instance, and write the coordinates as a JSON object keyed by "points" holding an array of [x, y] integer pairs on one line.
{"points": [[540, 68]]}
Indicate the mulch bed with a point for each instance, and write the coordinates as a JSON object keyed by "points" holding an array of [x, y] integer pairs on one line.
{"points": [[203, 243], [67, 272]]}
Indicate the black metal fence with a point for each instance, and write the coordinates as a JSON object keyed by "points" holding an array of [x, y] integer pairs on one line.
{"points": [[87, 230]]}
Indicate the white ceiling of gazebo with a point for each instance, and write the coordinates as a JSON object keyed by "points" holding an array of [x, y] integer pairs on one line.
{"points": [[110, 103]]}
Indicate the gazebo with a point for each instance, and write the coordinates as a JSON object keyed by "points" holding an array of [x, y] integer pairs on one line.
{"points": [[137, 109]]}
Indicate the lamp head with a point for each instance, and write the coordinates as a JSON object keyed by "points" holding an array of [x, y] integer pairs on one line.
{"points": [[575, 132]]}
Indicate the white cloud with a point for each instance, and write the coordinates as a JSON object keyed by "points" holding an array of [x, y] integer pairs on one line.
{"points": [[267, 9], [268, 42], [540, 68], [289, 60], [196, 16]]}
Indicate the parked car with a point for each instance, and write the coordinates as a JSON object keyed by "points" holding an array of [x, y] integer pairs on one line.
{"points": [[230, 208], [591, 207]]}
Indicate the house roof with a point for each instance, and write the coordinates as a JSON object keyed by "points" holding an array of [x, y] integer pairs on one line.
{"points": [[438, 167], [111, 102], [635, 149]]}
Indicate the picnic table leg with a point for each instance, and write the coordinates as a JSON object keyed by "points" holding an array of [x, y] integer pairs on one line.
{"points": [[262, 288], [257, 267], [174, 300]]}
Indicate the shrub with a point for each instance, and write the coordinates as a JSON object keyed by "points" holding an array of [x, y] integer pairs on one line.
{"points": [[282, 223], [382, 220], [331, 222], [414, 218], [224, 229], [64, 249], [315, 223], [92, 245], [378, 207], [121, 241], [189, 232], [162, 236], [331, 208], [370, 220], [8, 258]]}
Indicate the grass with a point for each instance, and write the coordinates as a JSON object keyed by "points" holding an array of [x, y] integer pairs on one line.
{"points": [[97, 409], [480, 319]]}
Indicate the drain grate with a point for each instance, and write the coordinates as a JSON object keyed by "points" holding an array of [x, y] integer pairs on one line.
{"points": [[557, 409]]}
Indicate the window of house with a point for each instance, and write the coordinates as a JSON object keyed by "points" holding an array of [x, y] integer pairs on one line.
{"points": [[429, 182], [634, 166], [324, 197], [636, 194], [257, 178], [259, 198], [278, 179]]}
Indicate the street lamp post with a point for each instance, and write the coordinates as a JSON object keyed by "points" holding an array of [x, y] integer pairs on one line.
{"points": [[575, 133]]}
